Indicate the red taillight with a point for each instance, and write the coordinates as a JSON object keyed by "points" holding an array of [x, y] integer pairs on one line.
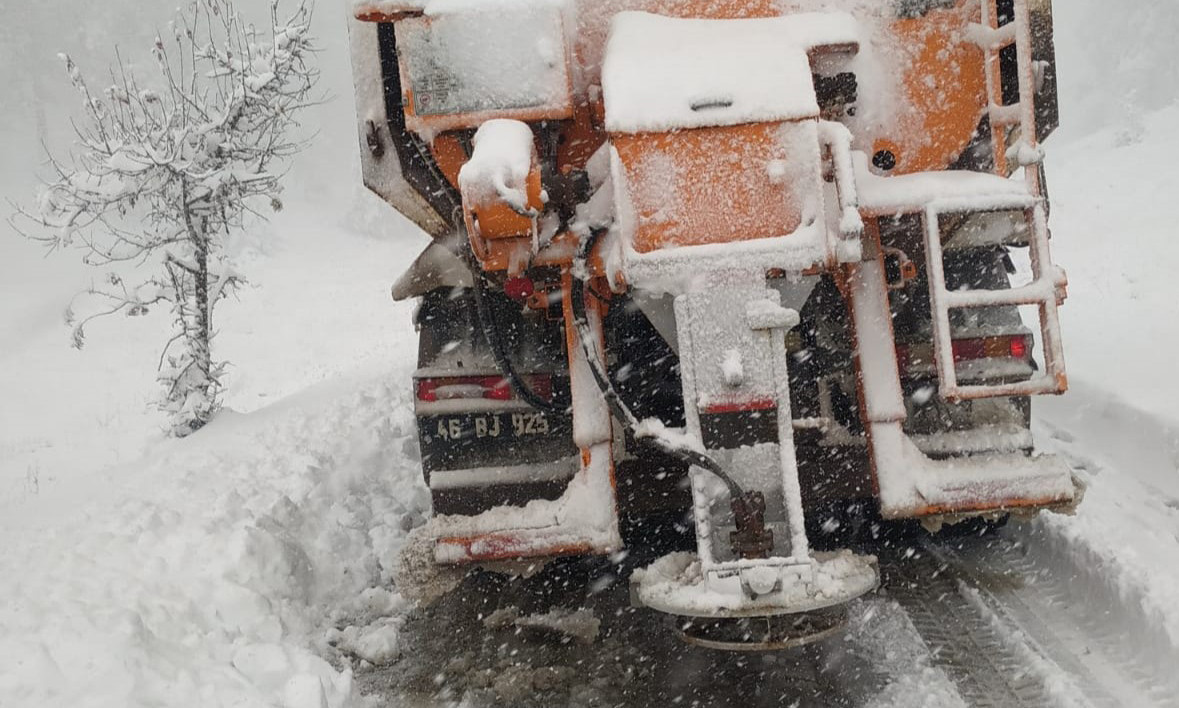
{"points": [[494, 388], [969, 349], [426, 389], [921, 354], [519, 288], [497, 389]]}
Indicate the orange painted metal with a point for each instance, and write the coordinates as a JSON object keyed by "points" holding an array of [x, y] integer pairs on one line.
{"points": [[497, 220], [997, 505], [708, 185], [596, 305], [512, 545], [435, 124], [945, 90], [449, 155], [386, 12], [842, 277], [501, 238]]}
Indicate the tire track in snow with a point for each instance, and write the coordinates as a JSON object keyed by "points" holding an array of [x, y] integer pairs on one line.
{"points": [[1058, 642], [963, 643]]}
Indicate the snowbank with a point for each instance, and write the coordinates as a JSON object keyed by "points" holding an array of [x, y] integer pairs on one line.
{"points": [[1123, 543], [214, 575], [1114, 234], [1116, 62]]}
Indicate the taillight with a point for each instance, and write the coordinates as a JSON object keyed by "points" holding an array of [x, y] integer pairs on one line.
{"points": [[913, 356], [965, 349], [494, 388], [426, 390], [519, 288]]}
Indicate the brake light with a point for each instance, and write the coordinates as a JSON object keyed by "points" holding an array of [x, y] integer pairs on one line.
{"points": [[494, 388], [921, 355], [519, 288], [499, 390], [965, 349]]}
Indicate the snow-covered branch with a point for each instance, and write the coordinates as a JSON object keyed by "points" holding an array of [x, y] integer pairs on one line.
{"points": [[166, 166]]}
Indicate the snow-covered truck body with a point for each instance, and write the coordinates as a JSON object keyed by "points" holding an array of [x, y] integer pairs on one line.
{"points": [[735, 262]]}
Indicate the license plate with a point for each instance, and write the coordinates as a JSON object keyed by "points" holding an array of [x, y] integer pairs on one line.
{"points": [[490, 426]]}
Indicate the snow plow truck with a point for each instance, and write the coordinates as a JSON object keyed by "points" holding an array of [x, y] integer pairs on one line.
{"points": [[735, 263]]}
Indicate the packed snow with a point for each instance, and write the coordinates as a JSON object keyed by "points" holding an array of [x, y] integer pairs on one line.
{"points": [[663, 73], [498, 169], [679, 584]]}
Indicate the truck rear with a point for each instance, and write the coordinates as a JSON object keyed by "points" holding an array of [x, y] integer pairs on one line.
{"points": [[724, 269]]}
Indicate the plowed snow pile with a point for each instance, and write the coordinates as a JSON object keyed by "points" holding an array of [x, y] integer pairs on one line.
{"points": [[214, 573]]}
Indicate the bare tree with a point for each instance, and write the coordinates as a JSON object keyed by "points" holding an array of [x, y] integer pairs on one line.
{"points": [[162, 172]]}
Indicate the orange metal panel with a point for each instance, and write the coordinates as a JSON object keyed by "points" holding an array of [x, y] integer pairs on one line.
{"points": [[500, 221], [512, 545], [1000, 504], [386, 12], [945, 87], [709, 185]]}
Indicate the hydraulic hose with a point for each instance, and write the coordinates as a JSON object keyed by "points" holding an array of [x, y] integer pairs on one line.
{"points": [[499, 352], [617, 406]]}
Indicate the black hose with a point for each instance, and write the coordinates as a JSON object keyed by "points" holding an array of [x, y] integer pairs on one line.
{"points": [[617, 406], [493, 335]]}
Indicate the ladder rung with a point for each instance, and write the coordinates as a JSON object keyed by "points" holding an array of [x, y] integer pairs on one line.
{"points": [[1032, 387], [990, 38], [1023, 154], [1033, 293], [1006, 115]]}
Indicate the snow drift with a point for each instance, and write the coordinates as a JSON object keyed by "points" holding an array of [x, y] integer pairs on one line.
{"points": [[216, 572]]}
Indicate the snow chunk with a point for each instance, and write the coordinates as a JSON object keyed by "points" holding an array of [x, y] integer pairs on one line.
{"points": [[499, 166], [204, 575], [732, 370], [377, 643], [662, 73], [442, 7], [580, 625], [673, 438], [304, 691], [365, 8]]}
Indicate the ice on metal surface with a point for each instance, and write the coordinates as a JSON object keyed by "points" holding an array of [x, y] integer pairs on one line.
{"points": [[479, 57], [913, 192], [677, 584], [582, 518]]}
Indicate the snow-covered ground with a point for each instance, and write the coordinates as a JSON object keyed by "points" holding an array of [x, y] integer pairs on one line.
{"points": [[214, 571]]}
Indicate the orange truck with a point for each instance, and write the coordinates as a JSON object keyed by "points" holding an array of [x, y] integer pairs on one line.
{"points": [[725, 269]]}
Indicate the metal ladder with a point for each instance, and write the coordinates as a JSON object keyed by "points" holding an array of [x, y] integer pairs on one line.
{"points": [[993, 39], [1047, 289]]}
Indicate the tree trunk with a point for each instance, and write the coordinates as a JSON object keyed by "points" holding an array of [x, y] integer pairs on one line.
{"points": [[202, 353], [193, 388]]}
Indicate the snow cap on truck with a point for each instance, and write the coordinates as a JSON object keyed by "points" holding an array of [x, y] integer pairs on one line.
{"points": [[663, 73]]}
